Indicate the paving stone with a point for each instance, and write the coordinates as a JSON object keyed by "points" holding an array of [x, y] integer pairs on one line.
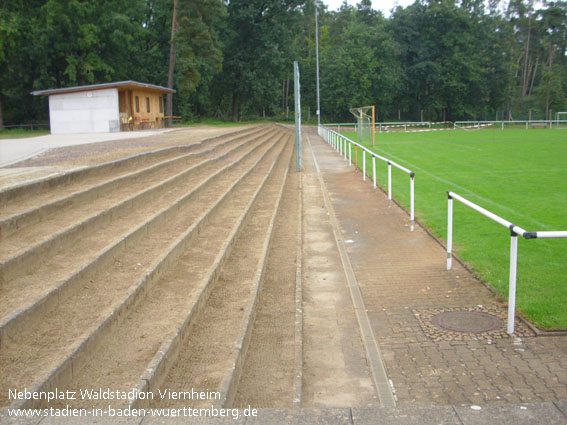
{"points": [[527, 414], [562, 405], [406, 416], [301, 417]]}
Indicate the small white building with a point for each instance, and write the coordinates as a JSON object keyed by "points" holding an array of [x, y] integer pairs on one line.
{"points": [[105, 108]]}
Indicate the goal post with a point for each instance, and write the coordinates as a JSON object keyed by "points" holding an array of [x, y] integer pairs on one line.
{"points": [[365, 123], [561, 121]]}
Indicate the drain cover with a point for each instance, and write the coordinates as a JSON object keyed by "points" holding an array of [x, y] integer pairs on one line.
{"points": [[467, 321]]}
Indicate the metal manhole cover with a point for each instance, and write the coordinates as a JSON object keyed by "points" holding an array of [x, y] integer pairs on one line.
{"points": [[467, 321]]}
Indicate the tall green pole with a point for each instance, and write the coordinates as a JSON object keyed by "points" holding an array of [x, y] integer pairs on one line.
{"points": [[297, 117]]}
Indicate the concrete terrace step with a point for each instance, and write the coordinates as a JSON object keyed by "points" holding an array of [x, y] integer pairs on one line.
{"points": [[55, 278], [211, 352], [105, 281], [117, 355], [64, 215], [271, 369], [27, 196]]}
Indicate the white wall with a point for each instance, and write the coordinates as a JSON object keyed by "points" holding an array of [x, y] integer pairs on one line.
{"points": [[93, 111]]}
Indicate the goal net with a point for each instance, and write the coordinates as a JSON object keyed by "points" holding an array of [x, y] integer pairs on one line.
{"points": [[364, 123], [561, 120]]}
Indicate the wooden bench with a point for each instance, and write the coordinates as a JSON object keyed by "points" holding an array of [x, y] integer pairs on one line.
{"points": [[539, 125]]}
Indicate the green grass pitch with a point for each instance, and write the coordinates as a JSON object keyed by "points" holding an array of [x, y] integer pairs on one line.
{"points": [[520, 175]]}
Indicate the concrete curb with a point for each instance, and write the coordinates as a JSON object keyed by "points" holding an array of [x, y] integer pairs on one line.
{"points": [[298, 380]]}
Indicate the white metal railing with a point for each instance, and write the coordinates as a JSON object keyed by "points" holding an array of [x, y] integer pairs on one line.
{"points": [[515, 231], [343, 145]]}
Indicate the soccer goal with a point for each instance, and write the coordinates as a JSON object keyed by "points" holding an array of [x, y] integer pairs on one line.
{"points": [[365, 123], [561, 120]]}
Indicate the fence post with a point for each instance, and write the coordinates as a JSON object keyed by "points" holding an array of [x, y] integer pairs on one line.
{"points": [[364, 165], [349, 154], [512, 282], [412, 199], [345, 147], [449, 231], [389, 181], [374, 170]]}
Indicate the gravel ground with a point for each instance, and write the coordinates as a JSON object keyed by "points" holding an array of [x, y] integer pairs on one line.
{"points": [[96, 153]]}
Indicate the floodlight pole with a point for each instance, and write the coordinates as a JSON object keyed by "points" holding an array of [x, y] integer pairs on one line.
{"points": [[317, 60], [297, 96]]}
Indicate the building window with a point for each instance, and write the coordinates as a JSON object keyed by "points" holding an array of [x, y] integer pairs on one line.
{"points": [[148, 104], [161, 104], [137, 104]]}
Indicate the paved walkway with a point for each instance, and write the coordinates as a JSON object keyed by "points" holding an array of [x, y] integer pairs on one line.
{"points": [[16, 150]]}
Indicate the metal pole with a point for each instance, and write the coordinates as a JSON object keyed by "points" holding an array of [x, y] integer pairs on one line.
{"points": [[349, 154], [389, 181], [412, 200], [449, 232], [317, 62], [512, 283], [364, 165], [297, 117], [374, 170]]}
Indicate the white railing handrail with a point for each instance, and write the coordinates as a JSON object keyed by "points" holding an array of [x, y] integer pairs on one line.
{"points": [[339, 143], [515, 231]]}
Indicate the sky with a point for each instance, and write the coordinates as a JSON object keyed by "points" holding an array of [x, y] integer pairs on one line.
{"points": [[384, 5]]}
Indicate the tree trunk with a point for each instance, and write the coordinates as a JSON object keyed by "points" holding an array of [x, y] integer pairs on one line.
{"points": [[283, 96], [533, 76], [1, 116], [235, 107], [287, 100], [525, 77], [169, 98]]}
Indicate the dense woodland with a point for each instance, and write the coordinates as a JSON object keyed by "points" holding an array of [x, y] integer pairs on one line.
{"points": [[233, 60]]}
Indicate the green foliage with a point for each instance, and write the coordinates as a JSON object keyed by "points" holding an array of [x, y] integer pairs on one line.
{"points": [[440, 60]]}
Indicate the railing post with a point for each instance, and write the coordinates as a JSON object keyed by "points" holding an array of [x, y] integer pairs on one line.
{"points": [[364, 165], [449, 231], [412, 200], [389, 180], [349, 154], [374, 170], [345, 147], [512, 282]]}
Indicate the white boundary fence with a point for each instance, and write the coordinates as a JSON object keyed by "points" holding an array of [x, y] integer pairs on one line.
{"points": [[527, 124], [515, 231], [409, 125], [343, 145]]}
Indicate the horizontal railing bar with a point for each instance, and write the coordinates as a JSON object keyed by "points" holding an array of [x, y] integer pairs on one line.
{"points": [[544, 235], [516, 229], [486, 213]]}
